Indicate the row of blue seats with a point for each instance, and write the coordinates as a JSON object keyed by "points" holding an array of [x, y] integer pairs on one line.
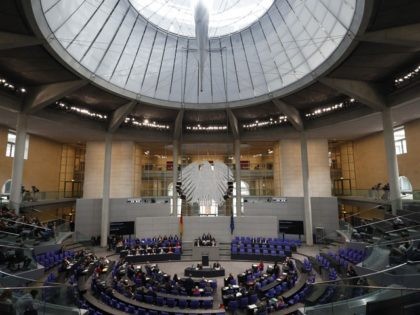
{"points": [[353, 255], [149, 241], [263, 246], [323, 262], [242, 303], [268, 240], [307, 265], [265, 252], [53, 258], [279, 289], [299, 296], [343, 262], [131, 309]]}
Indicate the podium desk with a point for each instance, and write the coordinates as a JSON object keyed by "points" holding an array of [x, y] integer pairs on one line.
{"points": [[211, 251]]}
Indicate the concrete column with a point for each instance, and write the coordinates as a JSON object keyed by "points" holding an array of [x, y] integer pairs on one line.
{"points": [[392, 162], [106, 190], [306, 193], [18, 162], [174, 176], [237, 146]]}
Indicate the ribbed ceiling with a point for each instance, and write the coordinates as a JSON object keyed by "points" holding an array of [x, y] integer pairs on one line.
{"points": [[109, 42]]}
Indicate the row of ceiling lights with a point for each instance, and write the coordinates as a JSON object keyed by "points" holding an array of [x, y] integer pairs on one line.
{"points": [[265, 123], [199, 127], [146, 123], [398, 81], [409, 76], [11, 87], [82, 111], [328, 109]]}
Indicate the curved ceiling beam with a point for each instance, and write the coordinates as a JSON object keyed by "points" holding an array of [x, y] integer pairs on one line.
{"points": [[44, 95], [407, 35], [233, 122], [119, 115], [291, 112], [364, 92], [13, 40], [178, 124]]}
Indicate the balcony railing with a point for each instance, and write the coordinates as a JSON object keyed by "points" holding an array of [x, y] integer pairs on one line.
{"points": [[374, 194]]}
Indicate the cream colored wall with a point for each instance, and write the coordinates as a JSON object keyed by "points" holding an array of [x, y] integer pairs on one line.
{"points": [[409, 164], [276, 170], [291, 168], [94, 170], [122, 169], [370, 161], [41, 169], [138, 170], [319, 169]]}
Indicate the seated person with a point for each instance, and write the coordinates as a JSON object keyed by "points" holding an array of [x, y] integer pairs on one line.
{"points": [[261, 266], [195, 291], [216, 265], [351, 273], [280, 303], [397, 223], [208, 289], [230, 279], [276, 269]]}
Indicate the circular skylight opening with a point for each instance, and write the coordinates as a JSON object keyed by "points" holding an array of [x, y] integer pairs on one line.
{"points": [[225, 16]]}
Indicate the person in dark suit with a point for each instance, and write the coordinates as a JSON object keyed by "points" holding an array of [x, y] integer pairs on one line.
{"points": [[216, 265], [189, 285]]}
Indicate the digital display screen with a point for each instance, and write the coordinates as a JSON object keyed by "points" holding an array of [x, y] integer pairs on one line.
{"points": [[121, 228], [291, 227]]}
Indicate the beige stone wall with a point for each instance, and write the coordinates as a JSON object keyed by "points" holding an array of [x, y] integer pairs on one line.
{"points": [[43, 165], [94, 170], [138, 170], [291, 168], [276, 170], [41, 169], [122, 169], [370, 160], [409, 164], [319, 169]]}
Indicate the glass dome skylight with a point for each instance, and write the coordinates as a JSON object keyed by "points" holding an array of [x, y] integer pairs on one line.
{"points": [[226, 16], [134, 47]]}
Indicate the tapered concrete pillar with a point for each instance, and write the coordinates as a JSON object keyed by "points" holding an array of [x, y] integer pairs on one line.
{"points": [[392, 162], [306, 192], [18, 162], [106, 190], [175, 152], [238, 177]]}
